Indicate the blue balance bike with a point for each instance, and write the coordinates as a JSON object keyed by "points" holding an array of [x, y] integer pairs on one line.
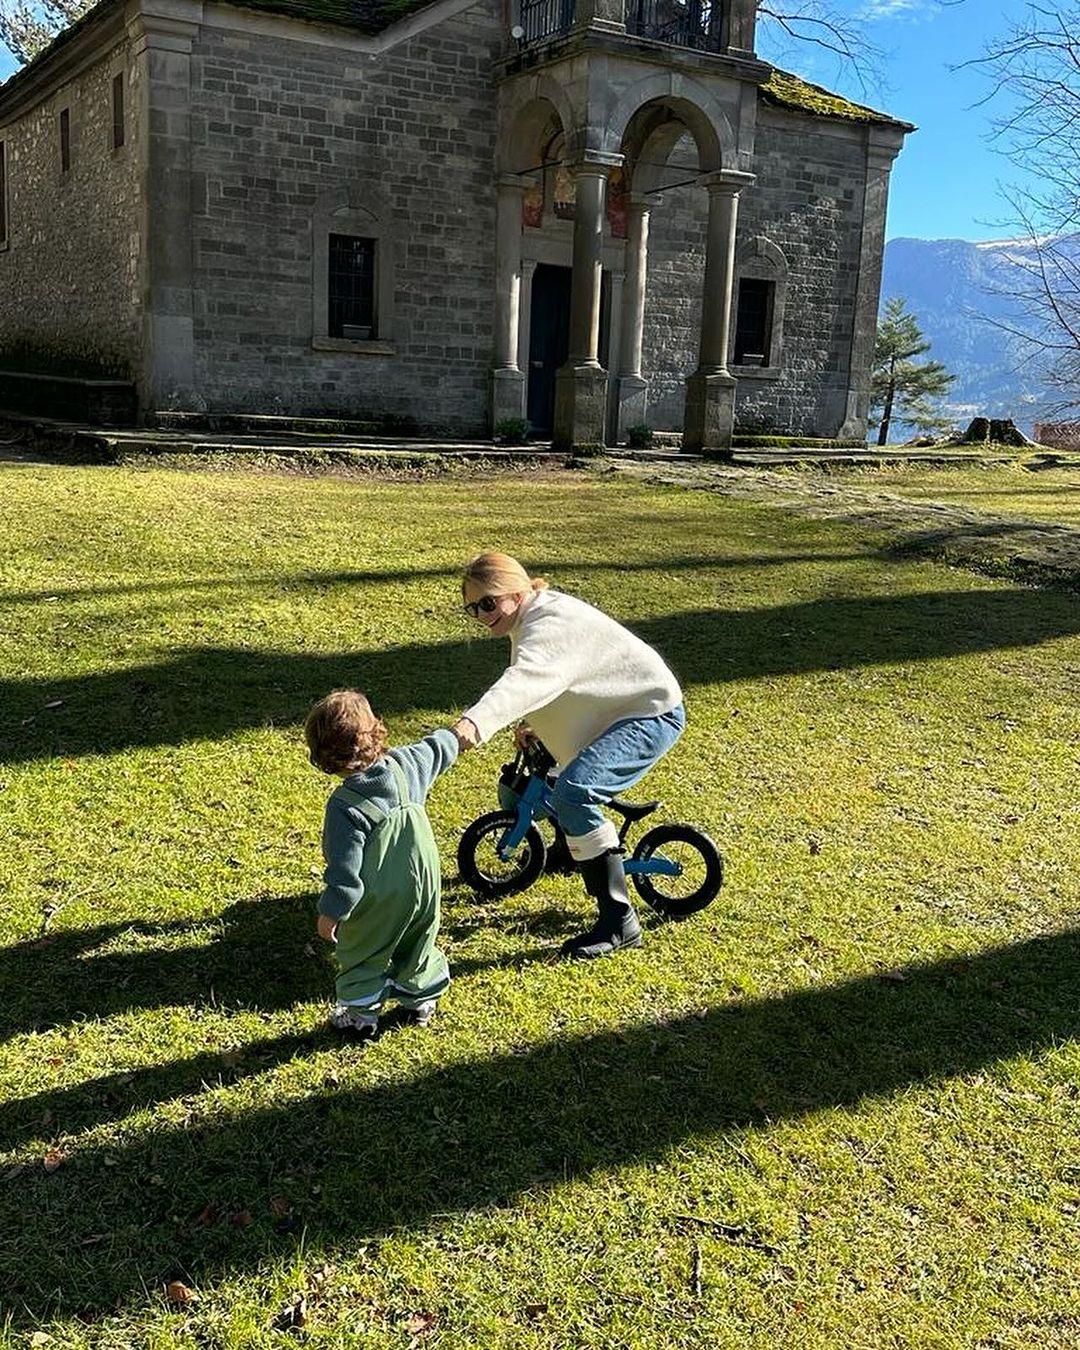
{"points": [[675, 868]]}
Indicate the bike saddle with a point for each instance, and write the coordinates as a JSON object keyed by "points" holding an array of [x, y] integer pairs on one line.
{"points": [[632, 810]]}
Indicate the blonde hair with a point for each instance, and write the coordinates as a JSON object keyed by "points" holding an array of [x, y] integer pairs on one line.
{"points": [[343, 734], [499, 574]]}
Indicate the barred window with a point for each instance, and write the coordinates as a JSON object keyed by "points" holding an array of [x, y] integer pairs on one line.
{"points": [[351, 287]]}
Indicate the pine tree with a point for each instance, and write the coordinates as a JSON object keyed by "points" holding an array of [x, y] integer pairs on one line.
{"points": [[28, 26], [901, 387]]}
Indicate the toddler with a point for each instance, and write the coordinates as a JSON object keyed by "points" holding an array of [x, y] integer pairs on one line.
{"points": [[382, 884]]}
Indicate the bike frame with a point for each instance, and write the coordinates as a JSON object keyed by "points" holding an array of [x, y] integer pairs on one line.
{"points": [[536, 801]]}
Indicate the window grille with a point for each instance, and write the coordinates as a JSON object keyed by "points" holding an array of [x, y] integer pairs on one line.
{"points": [[351, 287]]}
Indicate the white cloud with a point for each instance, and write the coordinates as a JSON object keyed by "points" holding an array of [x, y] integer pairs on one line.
{"points": [[892, 9]]}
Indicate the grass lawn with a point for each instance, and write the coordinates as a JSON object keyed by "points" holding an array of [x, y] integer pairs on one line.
{"points": [[838, 1108], [1050, 494]]}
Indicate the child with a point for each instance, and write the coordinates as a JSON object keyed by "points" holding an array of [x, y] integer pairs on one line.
{"points": [[380, 901]]}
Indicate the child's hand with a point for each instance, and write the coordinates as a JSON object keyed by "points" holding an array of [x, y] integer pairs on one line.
{"points": [[327, 928], [468, 738]]}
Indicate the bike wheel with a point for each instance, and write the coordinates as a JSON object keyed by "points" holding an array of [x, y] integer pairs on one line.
{"points": [[480, 865], [701, 875]]}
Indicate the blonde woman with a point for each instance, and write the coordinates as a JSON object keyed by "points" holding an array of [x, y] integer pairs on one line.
{"points": [[602, 701]]}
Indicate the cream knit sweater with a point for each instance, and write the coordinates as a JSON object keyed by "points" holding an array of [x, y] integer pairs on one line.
{"points": [[573, 672]]}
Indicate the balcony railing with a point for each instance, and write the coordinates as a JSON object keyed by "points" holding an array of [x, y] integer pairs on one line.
{"points": [[543, 18], [681, 23]]}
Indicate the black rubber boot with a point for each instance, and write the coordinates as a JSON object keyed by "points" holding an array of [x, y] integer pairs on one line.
{"points": [[558, 855], [617, 925]]}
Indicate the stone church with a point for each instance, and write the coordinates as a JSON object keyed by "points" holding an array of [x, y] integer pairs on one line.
{"points": [[594, 214]]}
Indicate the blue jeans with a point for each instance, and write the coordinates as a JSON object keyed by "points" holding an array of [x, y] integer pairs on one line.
{"points": [[615, 761]]}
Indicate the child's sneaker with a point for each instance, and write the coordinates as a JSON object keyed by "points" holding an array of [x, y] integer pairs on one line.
{"points": [[355, 1023], [421, 1015]]}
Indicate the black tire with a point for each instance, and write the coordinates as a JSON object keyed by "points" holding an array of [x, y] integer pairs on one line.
{"points": [[482, 868], [703, 870]]}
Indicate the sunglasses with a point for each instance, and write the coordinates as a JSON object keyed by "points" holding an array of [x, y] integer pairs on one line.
{"points": [[487, 604]]}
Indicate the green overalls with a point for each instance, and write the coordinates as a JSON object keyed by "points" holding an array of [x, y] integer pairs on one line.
{"points": [[386, 947]]}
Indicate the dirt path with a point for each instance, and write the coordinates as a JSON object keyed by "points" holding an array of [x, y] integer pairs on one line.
{"points": [[1032, 551]]}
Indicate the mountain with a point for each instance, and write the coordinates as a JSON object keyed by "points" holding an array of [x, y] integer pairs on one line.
{"points": [[959, 292]]}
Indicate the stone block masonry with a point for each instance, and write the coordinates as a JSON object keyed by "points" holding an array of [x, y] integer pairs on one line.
{"points": [[285, 134], [808, 202], [69, 267]]}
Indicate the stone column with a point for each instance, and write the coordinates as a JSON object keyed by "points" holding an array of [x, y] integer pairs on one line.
{"points": [[632, 390], [508, 381], [581, 385], [161, 52], [883, 146], [710, 391], [528, 268]]}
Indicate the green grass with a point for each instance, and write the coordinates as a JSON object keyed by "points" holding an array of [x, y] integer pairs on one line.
{"points": [[1031, 491], [840, 1107]]}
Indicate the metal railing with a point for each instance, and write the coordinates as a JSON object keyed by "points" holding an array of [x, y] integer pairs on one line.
{"points": [[682, 23], [542, 18]]}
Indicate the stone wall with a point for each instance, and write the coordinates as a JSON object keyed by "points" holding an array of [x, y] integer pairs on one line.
{"points": [[283, 132], [808, 201], [69, 272]]}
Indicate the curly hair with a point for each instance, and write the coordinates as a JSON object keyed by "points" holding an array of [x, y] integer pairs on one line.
{"points": [[343, 735]]}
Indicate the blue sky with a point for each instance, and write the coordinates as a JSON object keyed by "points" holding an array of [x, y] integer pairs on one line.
{"points": [[945, 183]]}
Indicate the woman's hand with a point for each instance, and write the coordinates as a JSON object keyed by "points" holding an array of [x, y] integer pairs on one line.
{"points": [[468, 738], [327, 928]]}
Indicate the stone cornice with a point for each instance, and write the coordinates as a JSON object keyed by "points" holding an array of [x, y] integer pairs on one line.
{"points": [[88, 40]]}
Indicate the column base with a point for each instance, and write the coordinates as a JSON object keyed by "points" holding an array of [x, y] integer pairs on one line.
{"points": [[632, 395], [710, 414], [580, 409], [507, 395], [854, 427]]}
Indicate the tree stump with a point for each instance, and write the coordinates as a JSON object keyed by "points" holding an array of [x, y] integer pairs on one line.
{"points": [[978, 432], [997, 431]]}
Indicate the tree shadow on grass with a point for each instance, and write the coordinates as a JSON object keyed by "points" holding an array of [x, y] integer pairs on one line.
{"points": [[321, 581], [215, 691], [356, 1164], [257, 954]]}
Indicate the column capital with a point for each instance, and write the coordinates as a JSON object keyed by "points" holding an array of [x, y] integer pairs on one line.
{"points": [[642, 201], [729, 182], [169, 25], [598, 163]]}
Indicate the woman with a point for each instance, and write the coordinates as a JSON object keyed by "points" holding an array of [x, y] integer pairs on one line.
{"points": [[601, 700]]}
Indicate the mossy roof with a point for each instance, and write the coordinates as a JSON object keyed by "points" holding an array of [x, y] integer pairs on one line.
{"points": [[784, 90]]}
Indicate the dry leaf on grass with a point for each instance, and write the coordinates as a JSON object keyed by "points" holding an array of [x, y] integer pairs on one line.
{"points": [[421, 1323], [293, 1315]]}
